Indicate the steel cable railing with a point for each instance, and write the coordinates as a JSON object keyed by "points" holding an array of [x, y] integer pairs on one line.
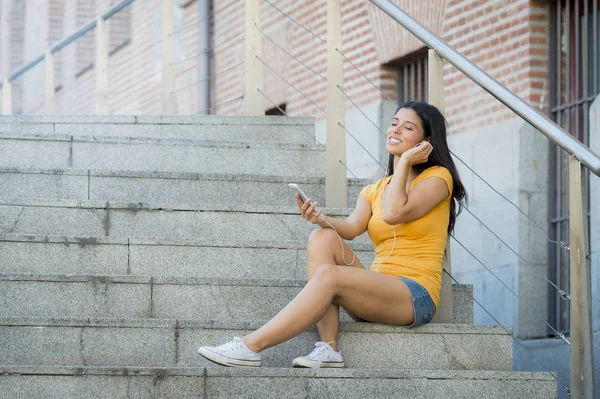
{"points": [[557, 333], [215, 106], [209, 50], [208, 78], [308, 98], [304, 130], [561, 292], [291, 85], [138, 82], [562, 244], [535, 359], [321, 109]]}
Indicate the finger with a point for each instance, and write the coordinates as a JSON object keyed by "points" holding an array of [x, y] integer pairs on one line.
{"points": [[311, 209], [315, 216], [299, 200], [305, 205]]}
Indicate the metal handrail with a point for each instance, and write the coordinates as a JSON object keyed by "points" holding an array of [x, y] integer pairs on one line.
{"points": [[69, 39], [540, 121]]}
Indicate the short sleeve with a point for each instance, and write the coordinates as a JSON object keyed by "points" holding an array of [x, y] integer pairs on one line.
{"points": [[444, 174], [368, 192]]}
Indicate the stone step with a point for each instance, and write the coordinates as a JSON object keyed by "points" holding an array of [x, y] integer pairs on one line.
{"points": [[168, 343], [162, 187], [270, 383], [160, 257], [114, 219], [182, 258], [59, 295], [161, 154], [230, 128]]}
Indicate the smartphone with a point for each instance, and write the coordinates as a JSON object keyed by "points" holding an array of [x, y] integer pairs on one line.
{"points": [[303, 196], [297, 188]]}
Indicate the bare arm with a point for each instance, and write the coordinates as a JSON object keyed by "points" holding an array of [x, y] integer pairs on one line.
{"points": [[400, 206], [349, 228]]}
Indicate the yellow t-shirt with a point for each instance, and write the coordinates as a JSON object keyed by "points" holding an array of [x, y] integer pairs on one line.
{"points": [[420, 244]]}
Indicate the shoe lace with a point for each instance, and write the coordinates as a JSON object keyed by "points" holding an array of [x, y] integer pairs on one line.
{"points": [[320, 347], [231, 346]]}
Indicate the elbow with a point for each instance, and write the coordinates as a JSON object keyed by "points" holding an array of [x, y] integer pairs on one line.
{"points": [[349, 235], [393, 218]]}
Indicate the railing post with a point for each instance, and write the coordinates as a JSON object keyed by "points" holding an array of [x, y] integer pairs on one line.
{"points": [[101, 67], [6, 97], [49, 83], [169, 106], [582, 351], [435, 94], [336, 186], [253, 100]]}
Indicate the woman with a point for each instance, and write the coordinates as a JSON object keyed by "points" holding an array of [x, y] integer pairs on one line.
{"points": [[408, 215]]}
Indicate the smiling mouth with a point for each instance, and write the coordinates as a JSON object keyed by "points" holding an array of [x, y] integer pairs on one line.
{"points": [[393, 140]]}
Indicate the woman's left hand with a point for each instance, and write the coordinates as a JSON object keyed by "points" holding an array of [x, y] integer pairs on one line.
{"points": [[418, 154]]}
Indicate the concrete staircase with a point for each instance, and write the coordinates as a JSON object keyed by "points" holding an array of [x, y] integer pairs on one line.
{"points": [[127, 242]]}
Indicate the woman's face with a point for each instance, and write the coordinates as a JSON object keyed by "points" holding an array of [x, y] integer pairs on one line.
{"points": [[405, 132]]}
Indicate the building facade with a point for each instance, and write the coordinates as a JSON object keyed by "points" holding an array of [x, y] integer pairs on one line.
{"points": [[544, 51]]}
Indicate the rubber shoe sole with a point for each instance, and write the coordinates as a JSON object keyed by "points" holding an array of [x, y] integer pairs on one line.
{"points": [[226, 361], [312, 364]]}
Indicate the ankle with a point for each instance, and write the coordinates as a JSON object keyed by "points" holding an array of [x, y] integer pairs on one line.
{"points": [[251, 345], [333, 345]]}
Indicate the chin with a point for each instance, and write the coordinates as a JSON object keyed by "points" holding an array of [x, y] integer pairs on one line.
{"points": [[394, 151]]}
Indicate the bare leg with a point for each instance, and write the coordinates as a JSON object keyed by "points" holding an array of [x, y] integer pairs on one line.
{"points": [[324, 249], [368, 295]]}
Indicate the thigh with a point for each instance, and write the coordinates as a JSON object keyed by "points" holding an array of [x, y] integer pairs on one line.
{"points": [[373, 296]]}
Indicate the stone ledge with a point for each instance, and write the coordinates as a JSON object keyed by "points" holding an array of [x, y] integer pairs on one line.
{"points": [[244, 325], [158, 119], [171, 142], [140, 206], [276, 372], [176, 175], [166, 242]]}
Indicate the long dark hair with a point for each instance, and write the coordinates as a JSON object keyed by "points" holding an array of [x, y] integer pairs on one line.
{"points": [[434, 128]]}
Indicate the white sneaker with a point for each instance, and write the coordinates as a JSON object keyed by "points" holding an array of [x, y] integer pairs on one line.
{"points": [[233, 353], [322, 356]]}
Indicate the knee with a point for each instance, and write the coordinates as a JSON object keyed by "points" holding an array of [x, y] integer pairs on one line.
{"points": [[326, 274], [320, 238]]}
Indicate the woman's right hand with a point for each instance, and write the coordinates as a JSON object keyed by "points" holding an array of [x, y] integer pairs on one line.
{"points": [[307, 210]]}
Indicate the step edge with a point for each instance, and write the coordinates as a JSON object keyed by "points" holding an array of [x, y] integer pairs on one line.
{"points": [[245, 325], [142, 206], [166, 175], [276, 372]]}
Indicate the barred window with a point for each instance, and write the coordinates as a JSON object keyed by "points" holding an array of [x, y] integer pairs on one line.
{"points": [[574, 83], [412, 77]]}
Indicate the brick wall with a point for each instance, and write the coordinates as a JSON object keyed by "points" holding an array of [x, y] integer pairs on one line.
{"points": [[507, 39], [134, 36]]}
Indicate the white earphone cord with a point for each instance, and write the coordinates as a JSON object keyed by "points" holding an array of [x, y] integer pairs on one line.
{"points": [[341, 243], [354, 253]]}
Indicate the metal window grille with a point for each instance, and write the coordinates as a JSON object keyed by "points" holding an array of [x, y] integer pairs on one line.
{"points": [[412, 77], [574, 83]]}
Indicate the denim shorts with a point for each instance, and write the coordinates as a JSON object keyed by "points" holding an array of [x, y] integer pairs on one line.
{"points": [[422, 303]]}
